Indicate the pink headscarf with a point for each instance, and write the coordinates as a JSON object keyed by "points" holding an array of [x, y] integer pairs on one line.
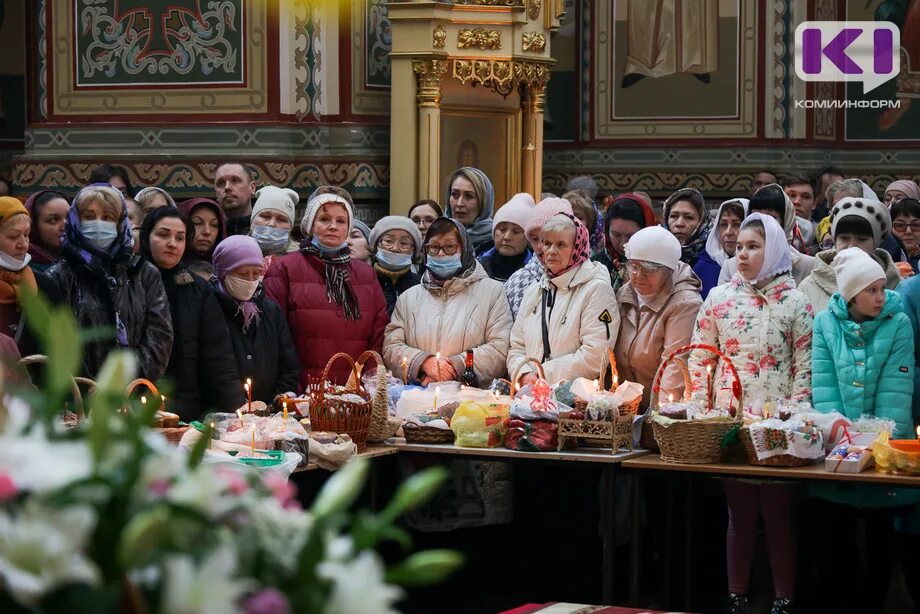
{"points": [[230, 254], [906, 186], [581, 250]]}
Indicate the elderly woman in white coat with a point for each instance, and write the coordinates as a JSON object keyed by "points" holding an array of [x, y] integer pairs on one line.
{"points": [[569, 319], [455, 308]]}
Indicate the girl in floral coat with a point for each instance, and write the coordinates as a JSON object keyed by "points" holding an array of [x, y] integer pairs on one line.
{"points": [[763, 324]]}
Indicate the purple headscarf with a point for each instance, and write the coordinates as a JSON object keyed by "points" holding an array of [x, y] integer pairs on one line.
{"points": [[230, 254]]}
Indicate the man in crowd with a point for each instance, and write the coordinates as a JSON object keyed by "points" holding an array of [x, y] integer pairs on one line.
{"points": [[823, 179], [234, 188], [762, 178], [800, 191]]}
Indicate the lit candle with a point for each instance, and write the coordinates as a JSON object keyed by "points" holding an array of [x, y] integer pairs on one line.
{"points": [[163, 402], [144, 402], [436, 390], [285, 412], [918, 432], [248, 387], [239, 413], [708, 386], [616, 382], [405, 366], [597, 386], [671, 398], [438, 358], [210, 435], [252, 441]]}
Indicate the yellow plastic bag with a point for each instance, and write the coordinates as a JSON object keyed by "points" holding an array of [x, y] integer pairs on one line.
{"points": [[479, 425]]}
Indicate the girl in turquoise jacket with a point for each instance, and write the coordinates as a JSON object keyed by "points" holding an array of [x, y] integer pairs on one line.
{"points": [[863, 363]]}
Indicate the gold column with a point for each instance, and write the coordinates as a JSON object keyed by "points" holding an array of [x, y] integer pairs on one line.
{"points": [[532, 99], [429, 73]]}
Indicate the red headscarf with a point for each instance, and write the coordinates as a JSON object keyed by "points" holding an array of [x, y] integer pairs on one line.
{"points": [[581, 249]]}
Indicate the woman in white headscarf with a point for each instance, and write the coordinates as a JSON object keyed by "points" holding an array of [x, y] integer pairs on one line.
{"points": [[720, 246], [763, 324]]}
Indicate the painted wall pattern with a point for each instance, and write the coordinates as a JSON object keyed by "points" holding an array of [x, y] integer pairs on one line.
{"points": [[163, 42], [378, 39]]}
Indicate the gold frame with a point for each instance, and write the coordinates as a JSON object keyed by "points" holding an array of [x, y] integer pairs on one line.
{"points": [[512, 135], [189, 100]]}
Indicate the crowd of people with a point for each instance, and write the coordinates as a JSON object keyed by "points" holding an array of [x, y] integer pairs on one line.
{"points": [[808, 285]]}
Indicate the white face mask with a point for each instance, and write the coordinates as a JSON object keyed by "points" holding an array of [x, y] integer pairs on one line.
{"points": [[12, 264], [239, 288]]}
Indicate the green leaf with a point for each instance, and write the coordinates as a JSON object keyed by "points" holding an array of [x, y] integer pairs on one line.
{"points": [[38, 314], [427, 567], [730, 437], [143, 535], [414, 492], [342, 489], [199, 448], [114, 377]]}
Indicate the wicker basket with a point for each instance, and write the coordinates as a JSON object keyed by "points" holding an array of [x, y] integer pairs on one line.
{"points": [[39, 359], [693, 441], [383, 425], [427, 434], [517, 373], [614, 434], [780, 460], [337, 416]]}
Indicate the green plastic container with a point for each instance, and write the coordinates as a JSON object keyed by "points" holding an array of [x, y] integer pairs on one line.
{"points": [[277, 457]]}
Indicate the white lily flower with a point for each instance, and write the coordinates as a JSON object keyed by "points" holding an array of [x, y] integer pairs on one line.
{"points": [[210, 588], [358, 586], [42, 549], [38, 465]]}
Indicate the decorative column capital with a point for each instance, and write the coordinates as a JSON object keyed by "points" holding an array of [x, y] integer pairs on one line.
{"points": [[429, 74]]}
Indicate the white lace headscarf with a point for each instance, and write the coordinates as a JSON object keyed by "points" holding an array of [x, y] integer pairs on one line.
{"points": [[713, 247], [776, 257]]}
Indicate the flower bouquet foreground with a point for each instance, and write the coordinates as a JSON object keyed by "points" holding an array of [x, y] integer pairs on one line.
{"points": [[107, 517]]}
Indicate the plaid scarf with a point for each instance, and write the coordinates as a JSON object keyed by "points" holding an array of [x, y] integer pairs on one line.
{"points": [[338, 278]]}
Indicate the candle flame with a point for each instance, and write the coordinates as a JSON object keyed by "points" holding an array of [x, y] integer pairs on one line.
{"points": [[248, 382], [708, 368], [144, 400], [616, 379], [405, 360], [918, 432], [597, 386], [671, 398], [438, 356]]}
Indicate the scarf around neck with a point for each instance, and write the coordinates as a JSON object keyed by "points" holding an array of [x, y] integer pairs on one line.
{"points": [[581, 249], [249, 309], [338, 278]]}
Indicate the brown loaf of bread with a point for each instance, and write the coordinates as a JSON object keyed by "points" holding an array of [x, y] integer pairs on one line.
{"points": [[169, 420]]}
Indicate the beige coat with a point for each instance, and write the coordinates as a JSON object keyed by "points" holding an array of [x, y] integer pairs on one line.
{"points": [[466, 313], [650, 332], [578, 336], [822, 283]]}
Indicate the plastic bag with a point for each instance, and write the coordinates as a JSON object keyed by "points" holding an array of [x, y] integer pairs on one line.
{"points": [[479, 425], [534, 436], [422, 400]]}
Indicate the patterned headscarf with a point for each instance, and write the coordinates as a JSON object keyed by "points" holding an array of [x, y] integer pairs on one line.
{"points": [[694, 246], [581, 249]]}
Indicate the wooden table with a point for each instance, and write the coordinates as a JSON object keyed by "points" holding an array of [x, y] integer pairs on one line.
{"points": [[809, 473], [595, 456], [373, 451]]}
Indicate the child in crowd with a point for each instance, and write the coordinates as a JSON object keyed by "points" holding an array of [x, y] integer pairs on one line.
{"points": [[763, 324]]}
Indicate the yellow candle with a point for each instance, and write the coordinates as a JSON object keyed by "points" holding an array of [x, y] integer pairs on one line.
{"points": [[285, 412], [163, 402], [405, 366], [252, 441], [438, 358], [248, 387], [210, 435], [436, 391]]}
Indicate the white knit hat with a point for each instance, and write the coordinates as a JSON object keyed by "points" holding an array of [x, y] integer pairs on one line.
{"points": [[518, 211], [855, 270], [313, 207], [395, 222], [871, 210], [654, 244], [276, 199]]}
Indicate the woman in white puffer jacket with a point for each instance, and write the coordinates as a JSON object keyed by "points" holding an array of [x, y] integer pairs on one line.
{"points": [[570, 318]]}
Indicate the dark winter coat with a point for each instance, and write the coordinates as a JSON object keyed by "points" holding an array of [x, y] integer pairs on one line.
{"points": [[265, 353], [138, 296], [391, 289], [297, 283], [202, 366]]}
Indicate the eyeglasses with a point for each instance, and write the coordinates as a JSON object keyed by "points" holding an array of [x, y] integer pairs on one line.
{"points": [[447, 250], [903, 226], [391, 243], [643, 268]]}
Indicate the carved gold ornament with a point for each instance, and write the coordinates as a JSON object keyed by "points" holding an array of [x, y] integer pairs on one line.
{"points": [[501, 76], [479, 38], [438, 37], [492, 2], [533, 8], [534, 42], [429, 74]]}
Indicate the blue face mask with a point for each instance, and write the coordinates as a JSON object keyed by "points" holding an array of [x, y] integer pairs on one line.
{"points": [[393, 261], [444, 266], [100, 233], [325, 249], [271, 240]]}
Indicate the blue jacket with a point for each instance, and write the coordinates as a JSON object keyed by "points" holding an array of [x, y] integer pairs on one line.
{"points": [[864, 368], [860, 369], [909, 289], [708, 271]]}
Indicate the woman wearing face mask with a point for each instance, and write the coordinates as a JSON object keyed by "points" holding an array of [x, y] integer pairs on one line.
{"points": [[658, 306], [109, 287], [261, 339], [569, 319], [15, 275], [201, 365], [687, 218], [210, 229], [720, 246], [626, 215], [272, 220], [396, 243], [511, 252], [332, 302], [470, 199], [455, 308], [48, 210], [523, 278]]}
